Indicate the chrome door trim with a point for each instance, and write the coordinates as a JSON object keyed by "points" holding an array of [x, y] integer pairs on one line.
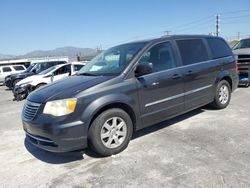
{"points": [[177, 96]]}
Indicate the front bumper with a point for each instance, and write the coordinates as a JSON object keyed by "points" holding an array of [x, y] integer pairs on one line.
{"points": [[21, 92], [56, 137]]}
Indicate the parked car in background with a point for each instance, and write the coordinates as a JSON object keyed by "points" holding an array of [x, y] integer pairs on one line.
{"points": [[12, 80], [242, 50], [127, 88], [52, 74], [9, 70]]}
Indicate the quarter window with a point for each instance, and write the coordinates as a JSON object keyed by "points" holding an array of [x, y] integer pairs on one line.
{"points": [[192, 51], [161, 56], [219, 48], [77, 67]]}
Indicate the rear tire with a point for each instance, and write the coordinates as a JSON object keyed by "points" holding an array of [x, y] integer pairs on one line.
{"points": [[110, 132], [222, 95]]}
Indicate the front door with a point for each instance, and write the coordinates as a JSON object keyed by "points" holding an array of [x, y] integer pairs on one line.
{"points": [[161, 92]]}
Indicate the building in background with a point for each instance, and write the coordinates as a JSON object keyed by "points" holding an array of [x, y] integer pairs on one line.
{"points": [[28, 61]]}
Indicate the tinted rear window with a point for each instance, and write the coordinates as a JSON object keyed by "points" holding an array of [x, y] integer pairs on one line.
{"points": [[6, 69], [18, 68], [219, 48], [192, 51], [77, 67]]}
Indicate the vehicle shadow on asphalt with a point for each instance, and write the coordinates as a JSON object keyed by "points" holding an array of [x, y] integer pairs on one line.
{"points": [[50, 157], [61, 158], [169, 122]]}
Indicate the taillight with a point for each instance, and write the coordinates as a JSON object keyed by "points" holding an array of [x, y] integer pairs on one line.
{"points": [[236, 64]]}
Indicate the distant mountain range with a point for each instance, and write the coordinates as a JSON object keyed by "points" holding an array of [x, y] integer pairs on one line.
{"points": [[69, 51], [4, 56]]}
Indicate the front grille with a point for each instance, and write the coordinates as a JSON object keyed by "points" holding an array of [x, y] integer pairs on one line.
{"points": [[243, 58], [30, 109]]}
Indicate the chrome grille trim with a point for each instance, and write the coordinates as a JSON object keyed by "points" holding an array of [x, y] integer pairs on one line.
{"points": [[30, 110]]}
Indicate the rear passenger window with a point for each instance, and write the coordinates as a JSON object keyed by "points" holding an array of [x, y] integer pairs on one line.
{"points": [[192, 51], [161, 56], [18, 68], [219, 48], [6, 69], [63, 70], [77, 67]]}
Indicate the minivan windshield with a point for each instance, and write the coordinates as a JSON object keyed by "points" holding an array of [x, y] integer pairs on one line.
{"points": [[112, 61], [245, 43], [30, 67]]}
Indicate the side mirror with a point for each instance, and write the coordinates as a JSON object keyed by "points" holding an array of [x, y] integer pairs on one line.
{"points": [[143, 69]]}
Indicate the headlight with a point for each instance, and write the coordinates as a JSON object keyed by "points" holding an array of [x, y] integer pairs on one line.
{"points": [[60, 107]]}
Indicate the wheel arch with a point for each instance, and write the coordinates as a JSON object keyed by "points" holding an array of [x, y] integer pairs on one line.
{"points": [[107, 102], [225, 75]]}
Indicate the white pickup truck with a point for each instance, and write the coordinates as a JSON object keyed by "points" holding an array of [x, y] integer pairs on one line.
{"points": [[242, 50]]}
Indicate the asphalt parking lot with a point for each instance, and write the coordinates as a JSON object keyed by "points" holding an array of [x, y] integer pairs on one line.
{"points": [[203, 148]]}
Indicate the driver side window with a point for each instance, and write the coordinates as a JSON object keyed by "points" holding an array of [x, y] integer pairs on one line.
{"points": [[161, 56]]}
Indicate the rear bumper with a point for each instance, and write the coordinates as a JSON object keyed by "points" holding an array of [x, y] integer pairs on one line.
{"points": [[244, 82], [57, 137], [235, 82]]}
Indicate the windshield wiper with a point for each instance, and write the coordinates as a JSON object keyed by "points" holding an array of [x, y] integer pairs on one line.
{"points": [[85, 74]]}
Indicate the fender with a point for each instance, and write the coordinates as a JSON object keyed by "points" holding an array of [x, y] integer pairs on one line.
{"points": [[221, 75], [106, 100]]}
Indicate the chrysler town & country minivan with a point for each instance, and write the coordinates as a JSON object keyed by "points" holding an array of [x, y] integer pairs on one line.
{"points": [[127, 88]]}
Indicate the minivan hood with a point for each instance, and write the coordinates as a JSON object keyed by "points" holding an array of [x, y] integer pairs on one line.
{"points": [[66, 88], [22, 75], [242, 51]]}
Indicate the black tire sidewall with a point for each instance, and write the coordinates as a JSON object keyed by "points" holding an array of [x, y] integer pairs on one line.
{"points": [[15, 82], [218, 104], [95, 130], [40, 85]]}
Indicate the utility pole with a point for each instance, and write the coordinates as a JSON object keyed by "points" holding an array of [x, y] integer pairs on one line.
{"points": [[167, 33], [238, 35], [217, 25]]}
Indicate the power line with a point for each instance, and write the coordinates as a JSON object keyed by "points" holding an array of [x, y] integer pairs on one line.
{"points": [[193, 22], [235, 22], [194, 26], [235, 17], [234, 12], [186, 26]]}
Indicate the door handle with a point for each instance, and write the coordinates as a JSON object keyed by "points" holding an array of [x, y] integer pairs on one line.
{"points": [[188, 73], [176, 76]]}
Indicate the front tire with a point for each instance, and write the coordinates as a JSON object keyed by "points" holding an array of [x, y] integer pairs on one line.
{"points": [[40, 85], [222, 95], [15, 82], [110, 132]]}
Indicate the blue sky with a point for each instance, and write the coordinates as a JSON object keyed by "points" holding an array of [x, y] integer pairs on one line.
{"points": [[27, 25]]}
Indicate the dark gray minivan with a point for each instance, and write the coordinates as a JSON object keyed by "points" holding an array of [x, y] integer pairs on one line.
{"points": [[127, 88]]}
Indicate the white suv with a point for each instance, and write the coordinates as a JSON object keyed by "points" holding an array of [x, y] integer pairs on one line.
{"points": [[10, 69]]}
